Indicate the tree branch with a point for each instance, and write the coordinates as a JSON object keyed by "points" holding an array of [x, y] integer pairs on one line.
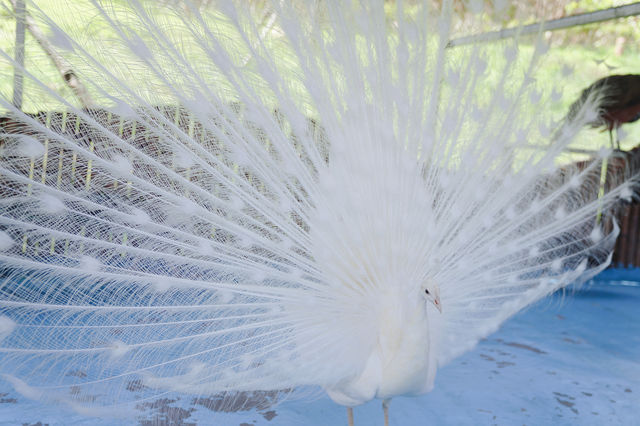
{"points": [[68, 74]]}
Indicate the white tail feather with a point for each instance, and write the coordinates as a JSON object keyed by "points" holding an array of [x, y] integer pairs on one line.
{"points": [[247, 210]]}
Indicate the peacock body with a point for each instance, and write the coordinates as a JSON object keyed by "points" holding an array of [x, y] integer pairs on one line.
{"points": [[341, 204]]}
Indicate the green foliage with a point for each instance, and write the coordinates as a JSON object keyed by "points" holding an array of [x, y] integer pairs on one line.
{"points": [[589, 51]]}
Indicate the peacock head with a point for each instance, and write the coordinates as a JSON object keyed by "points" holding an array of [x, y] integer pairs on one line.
{"points": [[432, 294]]}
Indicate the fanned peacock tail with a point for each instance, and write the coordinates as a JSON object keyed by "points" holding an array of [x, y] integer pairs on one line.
{"points": [[229, 223]]}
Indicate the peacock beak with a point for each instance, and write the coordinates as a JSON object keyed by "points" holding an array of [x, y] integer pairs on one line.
{"points": [[435, 298], [436, 302]]}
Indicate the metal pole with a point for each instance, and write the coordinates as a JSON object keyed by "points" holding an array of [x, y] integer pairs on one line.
{"points": [[18, 77], [556, 24]]}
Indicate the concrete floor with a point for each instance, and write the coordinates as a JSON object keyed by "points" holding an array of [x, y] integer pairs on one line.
{"points": [[565, 361]]}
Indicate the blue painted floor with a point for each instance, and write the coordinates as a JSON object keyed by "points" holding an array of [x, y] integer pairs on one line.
{"points": [[572, 359]]}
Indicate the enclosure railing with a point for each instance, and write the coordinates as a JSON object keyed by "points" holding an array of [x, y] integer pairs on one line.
{"points": [[552, 25]]}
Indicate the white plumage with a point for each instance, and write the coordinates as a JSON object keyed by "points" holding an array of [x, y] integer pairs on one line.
{"points": [[296, 217]]}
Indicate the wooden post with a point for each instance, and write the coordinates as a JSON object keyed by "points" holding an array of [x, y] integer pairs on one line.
{"points": [[621, 254], [634, 249]]}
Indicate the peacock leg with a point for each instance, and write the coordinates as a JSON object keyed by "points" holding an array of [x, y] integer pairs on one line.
{"points": [[385, 408], [350, 416], [611, 138]]}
